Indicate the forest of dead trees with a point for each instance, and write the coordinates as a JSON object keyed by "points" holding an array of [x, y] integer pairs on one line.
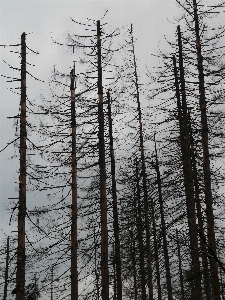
{"points": [[121, 182]]}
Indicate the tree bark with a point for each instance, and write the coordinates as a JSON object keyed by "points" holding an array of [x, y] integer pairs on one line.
{"points": [[74, 273], [206, 163], [52, 281], [188, 183], [6, 270], [180, 267], [114, 274], [144, 177], [204, 250], [21, 258], [96, 269], [35, 287], [156, 252], [115, 207], [133, 253], [222, 287], [163, 224], [103, 200], [139, 224]]}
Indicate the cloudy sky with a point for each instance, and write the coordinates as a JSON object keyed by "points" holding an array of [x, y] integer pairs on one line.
{"points": [[44, 20]]}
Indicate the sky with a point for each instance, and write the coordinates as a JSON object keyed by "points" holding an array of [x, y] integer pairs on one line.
{"points": [[43, 21]]}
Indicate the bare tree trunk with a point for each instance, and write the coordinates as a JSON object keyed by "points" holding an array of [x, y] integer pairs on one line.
{"points": [[188, 184], [180, 267], [114, 274], [204, 250], [163, 224], [144, 177], [139, 224], [206, 164], [6, 270], [21, 257], [35, 287], [115, 207], [74, 273], [156, 253], [133, 253], [222, 285], [187, 161], [52, 280], [96, 269], [103, 200]]}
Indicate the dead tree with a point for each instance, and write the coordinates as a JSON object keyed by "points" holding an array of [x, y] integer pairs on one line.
{"points": [[206, 163], [115, 207], [180, 267], [163, 225], [52, 282], [96, 269], [134, 266], [156, 252], [188, 175], [6, 270], [188, 184], [74, 273], [144, 177], [21, 258], [103, 200], [139, 224], [204, 250]]}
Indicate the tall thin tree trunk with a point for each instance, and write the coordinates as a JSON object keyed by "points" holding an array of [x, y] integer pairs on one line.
{"points": [[222, 284], [187, 161], [21, 257], [114, 274], [180, 267], [115, 207], [163, 224], [6, 270], [206, 164], [220, 273], [103, 200], [133, 254], [35, 286], [188, 184], [156, 252], [139, 224], [96, 269], [204, 250], [52, 282], [74, 273], [144, 177]]}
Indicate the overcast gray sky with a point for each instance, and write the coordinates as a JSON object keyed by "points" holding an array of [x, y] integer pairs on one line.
{"points": [[152, 20], [40, 20]]}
